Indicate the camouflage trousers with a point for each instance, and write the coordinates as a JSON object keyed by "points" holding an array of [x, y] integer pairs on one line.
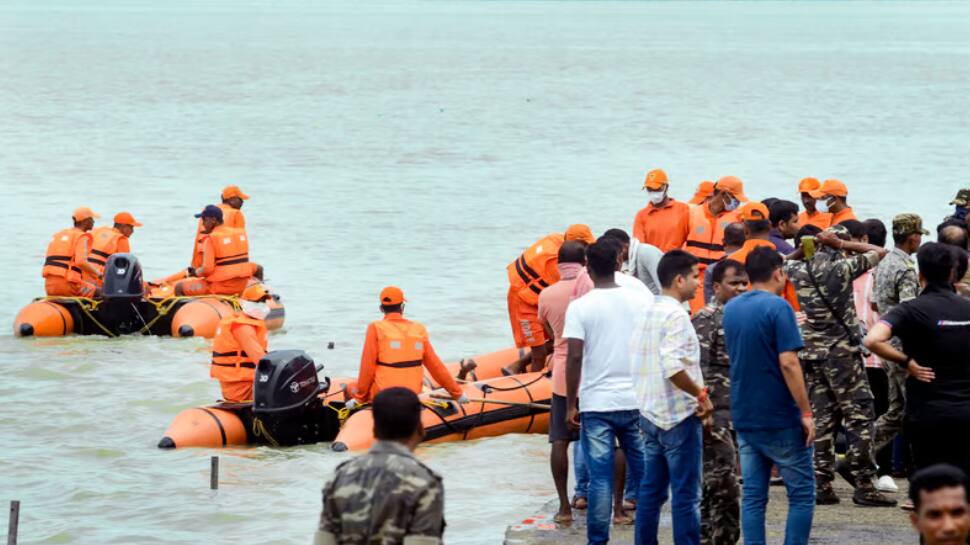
{"points": [[891, 422], [721, 496], [839, 394]]}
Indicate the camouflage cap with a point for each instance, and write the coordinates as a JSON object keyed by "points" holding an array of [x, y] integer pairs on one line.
{"points": [[840, 231], [962, 198], [908, 224]]}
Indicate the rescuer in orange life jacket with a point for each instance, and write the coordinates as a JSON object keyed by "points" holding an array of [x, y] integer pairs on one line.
{"points": [[232, 216], [533, 271], [67, 271], [241, 341], [225, 268], [395, 350], [107, 241]]}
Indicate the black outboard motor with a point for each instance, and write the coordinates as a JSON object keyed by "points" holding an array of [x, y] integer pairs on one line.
{"points": [[123, 290], [287, 409]]}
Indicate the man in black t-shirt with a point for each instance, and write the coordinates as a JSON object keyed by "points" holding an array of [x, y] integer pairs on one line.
{"points": [[935, 331]]}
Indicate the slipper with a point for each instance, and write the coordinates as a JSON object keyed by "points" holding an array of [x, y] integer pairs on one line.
{"points": [[623, 520]]}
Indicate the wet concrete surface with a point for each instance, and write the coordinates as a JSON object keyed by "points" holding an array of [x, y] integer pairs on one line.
{"points": [[843, 524]]}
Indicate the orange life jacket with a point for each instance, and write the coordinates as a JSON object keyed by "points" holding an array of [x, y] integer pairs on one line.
{"points": [[230, 363], [60, 259], [104, 244], [232, 254], [531, 273], [400, 355], [230, 218], [706, 238]]}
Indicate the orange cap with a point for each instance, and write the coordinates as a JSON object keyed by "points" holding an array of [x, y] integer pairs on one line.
{"points": [[84, 213], [581, 232], [255, 292], [807, 185], [125, 218], [704, 190], [655, 179], [753, 211], [733, 185], [392, 295], [830, 187], [231, 191]]}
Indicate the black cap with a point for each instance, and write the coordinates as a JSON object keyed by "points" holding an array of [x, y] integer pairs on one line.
{"points": [[210, 211]]}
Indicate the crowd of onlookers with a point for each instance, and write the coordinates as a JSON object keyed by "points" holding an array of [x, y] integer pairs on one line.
{"points": [[731, 344]]}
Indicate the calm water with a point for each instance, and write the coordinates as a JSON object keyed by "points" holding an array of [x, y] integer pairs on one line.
{"points": [[420, 144]]}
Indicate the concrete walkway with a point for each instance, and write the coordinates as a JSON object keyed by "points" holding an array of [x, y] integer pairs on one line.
{"points": [[843, 524]]}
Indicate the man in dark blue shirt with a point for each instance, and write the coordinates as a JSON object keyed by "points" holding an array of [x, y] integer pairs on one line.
{"points": [[769, 403]]}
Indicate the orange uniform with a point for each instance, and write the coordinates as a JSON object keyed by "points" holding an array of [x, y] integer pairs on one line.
{"points": [[665, 227], [395, 349], [225, 265], [62, 272], [106, 241], [231, 218], [706, 242], [845, 214], [749, 246], [239, 344], [534, 270], [822, 220]]}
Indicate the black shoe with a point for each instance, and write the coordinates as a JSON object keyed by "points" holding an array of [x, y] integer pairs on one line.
{"points": [[870, 497], [826, 496]]}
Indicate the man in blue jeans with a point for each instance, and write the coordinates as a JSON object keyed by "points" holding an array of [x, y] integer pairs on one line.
{"points": [[673, 404], [598, 328], [769, 403]]}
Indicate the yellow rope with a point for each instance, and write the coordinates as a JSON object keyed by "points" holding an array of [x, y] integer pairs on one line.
{"points": [[259, 430]]}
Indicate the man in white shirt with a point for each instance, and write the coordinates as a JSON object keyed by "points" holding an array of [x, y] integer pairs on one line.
{"points": [[673, 403], [600, 384]]}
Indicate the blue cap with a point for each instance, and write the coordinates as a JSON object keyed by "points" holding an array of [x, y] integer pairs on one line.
{"points": [[210, 211]]}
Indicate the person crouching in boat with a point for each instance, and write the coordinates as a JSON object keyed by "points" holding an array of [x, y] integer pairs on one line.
{"points": [[240, 342], [395, 349], [225, 268]]}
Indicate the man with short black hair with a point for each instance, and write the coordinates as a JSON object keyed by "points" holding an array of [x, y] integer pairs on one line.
{"points": [[674, 404], [941, 514], [733, 241], [769, 401], [387, 495], [784, 225], [876, 231], [721, 497], [600, 384], [640, 259], [934, 329]]}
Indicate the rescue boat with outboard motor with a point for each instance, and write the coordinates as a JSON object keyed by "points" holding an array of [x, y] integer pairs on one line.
{"points": [[125, 308], [293, 406]]}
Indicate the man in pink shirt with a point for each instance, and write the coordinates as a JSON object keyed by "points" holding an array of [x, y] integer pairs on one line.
{"points": [[553, 302]]}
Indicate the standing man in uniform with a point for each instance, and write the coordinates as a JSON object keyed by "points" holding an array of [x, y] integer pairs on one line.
{"points": [[707, 222], [831, 198], [232, 217], [241, 341], [721, 495], [532, 272], [961, 204], [896, 281], [386, 496], [663, 222], [833, 362], [107, 241], [811, 215], [395, 349], [67, 271]]}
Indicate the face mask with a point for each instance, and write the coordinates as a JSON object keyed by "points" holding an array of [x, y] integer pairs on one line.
{"points": [[822, 206], [258, 311], [732, 204], [960, 213], [657, 197]]}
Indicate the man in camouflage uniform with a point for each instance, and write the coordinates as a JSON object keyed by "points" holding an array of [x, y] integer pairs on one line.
{"points": [[834, 373], [962, 206], [386, 496], [897, 281], [721, 498]]}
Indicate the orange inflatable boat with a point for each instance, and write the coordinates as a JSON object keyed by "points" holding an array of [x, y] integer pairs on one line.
{"points": [[286, 412], [125, 308]]}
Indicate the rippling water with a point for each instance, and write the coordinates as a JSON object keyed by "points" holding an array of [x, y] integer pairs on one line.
{"points": [[422, 144]]}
